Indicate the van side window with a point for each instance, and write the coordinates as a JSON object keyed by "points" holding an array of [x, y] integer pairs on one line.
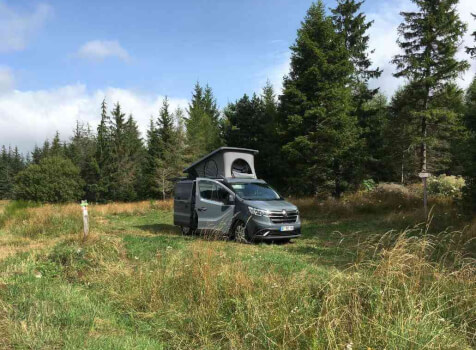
{"points": [[212, 191], [206, 189], [220, 195], [183, 191]]}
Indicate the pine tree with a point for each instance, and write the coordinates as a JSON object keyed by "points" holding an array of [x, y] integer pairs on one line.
{"points": [[400, 136], [168, 164], [203, 131], [269, 161], [11, 163], [103, 157], [36, 155], [245, 122], [321, 137], [352, 25], [6, 182], [126, 156], [150, 161], [373, 127], [165, 128], [82, 152], [56, 149], [469, 150], [469, 49], [181, 134], [429, 39]]}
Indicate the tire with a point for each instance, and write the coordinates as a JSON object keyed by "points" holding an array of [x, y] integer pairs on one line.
{"points": [[190, 231], [240, 233], [187, 231]]}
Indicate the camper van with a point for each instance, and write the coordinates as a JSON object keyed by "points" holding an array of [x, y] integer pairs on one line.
{"points": [[223, 194]]}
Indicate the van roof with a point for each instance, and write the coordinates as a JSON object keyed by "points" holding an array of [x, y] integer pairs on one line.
{"points": [[218, 150], [243, 180]]}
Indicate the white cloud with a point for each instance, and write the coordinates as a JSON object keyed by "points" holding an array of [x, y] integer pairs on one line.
{"points": [[6, 79], [17, 28], [383, 39], [383, 36], [98, 50], [465, 8], [28, 117], [276, 72]]}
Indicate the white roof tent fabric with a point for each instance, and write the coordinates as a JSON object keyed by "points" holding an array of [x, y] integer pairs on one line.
{"points": [[225, 162]]}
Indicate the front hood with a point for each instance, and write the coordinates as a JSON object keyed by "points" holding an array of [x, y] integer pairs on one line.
{"points": [[270, 205]]}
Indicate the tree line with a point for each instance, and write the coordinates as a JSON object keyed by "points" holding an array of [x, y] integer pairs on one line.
{"points": [[325, 133]]}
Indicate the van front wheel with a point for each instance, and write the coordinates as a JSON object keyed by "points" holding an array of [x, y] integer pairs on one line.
{"points": [[240, 233]]}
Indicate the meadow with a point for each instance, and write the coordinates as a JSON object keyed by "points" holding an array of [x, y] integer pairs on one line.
{"points": [[367, 273]]}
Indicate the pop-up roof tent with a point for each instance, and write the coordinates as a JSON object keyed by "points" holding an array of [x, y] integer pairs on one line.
{"points": [[225, 162]]}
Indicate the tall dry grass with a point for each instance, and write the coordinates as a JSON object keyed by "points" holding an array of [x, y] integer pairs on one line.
{"points": [[131, 208], [203, 297], [32, 220], [412, 290]]}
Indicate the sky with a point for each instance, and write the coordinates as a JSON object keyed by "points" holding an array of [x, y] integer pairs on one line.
{"points": [[60, 59]]}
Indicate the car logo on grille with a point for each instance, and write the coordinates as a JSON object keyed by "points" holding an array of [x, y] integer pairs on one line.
{"points": [[285, 214]]}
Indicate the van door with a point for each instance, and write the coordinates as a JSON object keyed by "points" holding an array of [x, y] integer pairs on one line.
{"points": [[212, 207], [183, 203]]}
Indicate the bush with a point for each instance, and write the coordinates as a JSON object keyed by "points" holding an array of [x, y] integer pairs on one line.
{"points": [[447, 186], [54, 179], [369, 185]]}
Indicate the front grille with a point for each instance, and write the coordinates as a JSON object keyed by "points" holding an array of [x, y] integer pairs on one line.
{"points": [[278, 217]]}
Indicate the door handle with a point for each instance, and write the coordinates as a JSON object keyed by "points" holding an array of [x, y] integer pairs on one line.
{"points": [[202, 209]]}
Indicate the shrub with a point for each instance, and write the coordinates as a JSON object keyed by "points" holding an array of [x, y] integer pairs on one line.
{"points": [[54, 179], [448, 186], [369, 185]]}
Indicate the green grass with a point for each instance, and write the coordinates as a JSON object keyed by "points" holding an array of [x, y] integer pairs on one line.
{"points": [[136, 283]]}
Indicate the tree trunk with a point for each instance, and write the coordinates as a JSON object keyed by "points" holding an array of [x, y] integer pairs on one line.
{"points": [[163, 187], [423, 145], [403, 162], [424, 133]]}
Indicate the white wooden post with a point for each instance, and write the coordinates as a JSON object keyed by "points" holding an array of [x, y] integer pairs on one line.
{"points": [[424, 176], [84, 207]]}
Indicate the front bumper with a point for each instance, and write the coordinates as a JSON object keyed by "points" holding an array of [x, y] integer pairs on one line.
{"points": [[262, 228]]}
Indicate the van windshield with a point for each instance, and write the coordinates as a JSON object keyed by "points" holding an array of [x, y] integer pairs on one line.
{"points": [[255, 191]]}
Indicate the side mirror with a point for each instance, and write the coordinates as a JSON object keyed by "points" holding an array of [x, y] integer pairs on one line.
{"points": [[231, 199]]}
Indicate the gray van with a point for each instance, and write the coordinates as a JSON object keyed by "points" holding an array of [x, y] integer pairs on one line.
{"points": [[222, 194]]}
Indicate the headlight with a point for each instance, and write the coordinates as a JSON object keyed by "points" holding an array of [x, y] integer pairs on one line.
{"points": [[258, 212]]}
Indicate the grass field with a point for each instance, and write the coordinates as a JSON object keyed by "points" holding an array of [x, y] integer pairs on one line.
{"points": [[366, 274]]}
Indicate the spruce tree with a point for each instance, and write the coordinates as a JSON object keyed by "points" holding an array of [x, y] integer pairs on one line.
{"points": [[352, 25], [320, 134], [169, 163], [429, 38], [6, 175], [103, 156], [82, 152], [469, 150], [401, 131], [123, 169], [245, 122], [269, 161], [165, 128], [150, 161], [469, 49], [56, 149], [203, 131]]}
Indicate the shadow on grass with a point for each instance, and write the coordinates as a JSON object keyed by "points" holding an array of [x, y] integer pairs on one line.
{"points": [[160, 228], [328, 254]]}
